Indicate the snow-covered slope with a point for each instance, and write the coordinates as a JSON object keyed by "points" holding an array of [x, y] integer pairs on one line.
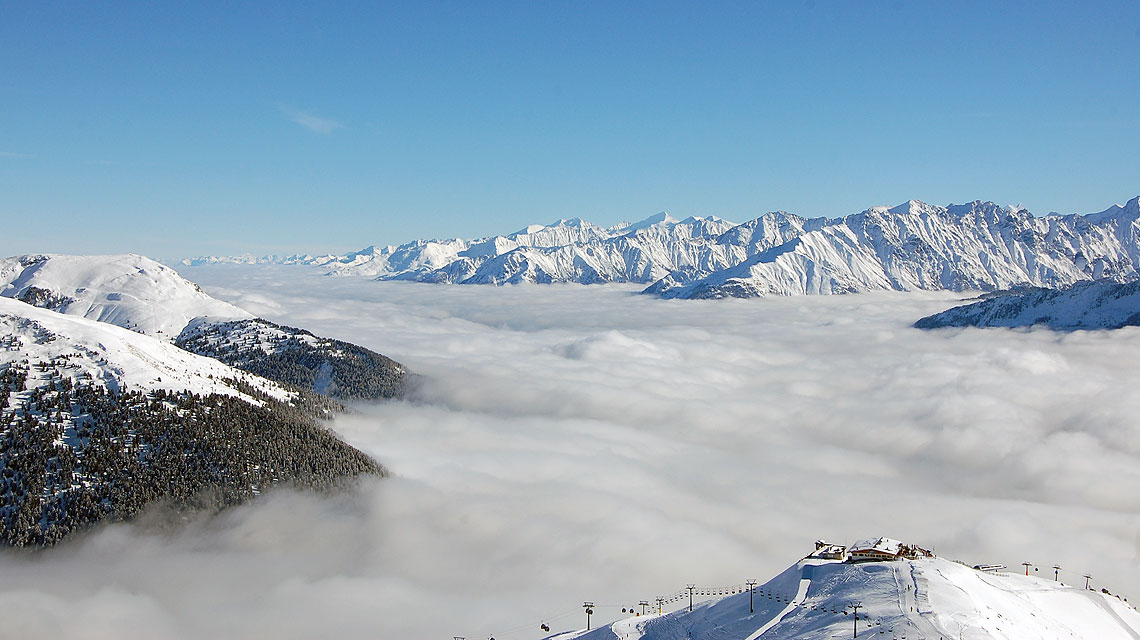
{"points": [[126, 290], [1100, 304], [929, 598], [114, 357], [913, 246]]}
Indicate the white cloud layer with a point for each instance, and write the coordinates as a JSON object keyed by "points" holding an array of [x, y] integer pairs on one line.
{"points": [[585, 443]]}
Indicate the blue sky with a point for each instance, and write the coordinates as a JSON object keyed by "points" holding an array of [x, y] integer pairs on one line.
{"points": [[284, 127]]}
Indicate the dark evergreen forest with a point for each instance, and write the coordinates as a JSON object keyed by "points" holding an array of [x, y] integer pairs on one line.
{"points": [[74, 453], [296, 357]]}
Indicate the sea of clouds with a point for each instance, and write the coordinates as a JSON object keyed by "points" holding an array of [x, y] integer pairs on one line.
{"points": [[571, 443]]}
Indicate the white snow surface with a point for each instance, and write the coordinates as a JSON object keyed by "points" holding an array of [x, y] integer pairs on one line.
{"points": [[909, 247], [930, 598], [114, 357], [127, 290]]}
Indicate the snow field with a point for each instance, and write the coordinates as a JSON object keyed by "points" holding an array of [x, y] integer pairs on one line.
{"points": [[114, 357]]}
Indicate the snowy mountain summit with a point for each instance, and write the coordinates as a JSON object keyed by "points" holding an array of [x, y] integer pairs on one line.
{"points": [[912, 246], [882, 588], [130, 291]]}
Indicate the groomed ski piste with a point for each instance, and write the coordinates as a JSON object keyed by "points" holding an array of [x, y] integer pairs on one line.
{"points": [[925, 598]]}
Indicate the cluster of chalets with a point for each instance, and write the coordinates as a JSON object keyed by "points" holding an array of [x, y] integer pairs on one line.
{"points": [[870, 550]]}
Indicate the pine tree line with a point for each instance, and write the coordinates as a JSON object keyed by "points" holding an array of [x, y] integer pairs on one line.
{"points": [[296, 357], [45, 298]]}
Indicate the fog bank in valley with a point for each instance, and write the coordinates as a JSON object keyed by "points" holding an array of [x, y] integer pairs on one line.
{"points": [[573, 443]]}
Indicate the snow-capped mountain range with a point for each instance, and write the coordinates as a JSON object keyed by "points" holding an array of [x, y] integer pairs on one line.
{"points": [[928, 598], [1099, 304], [913, 246], [566, 251]]}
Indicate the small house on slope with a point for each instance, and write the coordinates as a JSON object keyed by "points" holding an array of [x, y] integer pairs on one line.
{"points": [[828, 551]]}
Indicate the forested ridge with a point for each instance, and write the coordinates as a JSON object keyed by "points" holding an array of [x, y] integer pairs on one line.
{"points": [[296, 357], [73, 453]]}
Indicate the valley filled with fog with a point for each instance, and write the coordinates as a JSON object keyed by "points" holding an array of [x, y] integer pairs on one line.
{"points": [[573, 443]]}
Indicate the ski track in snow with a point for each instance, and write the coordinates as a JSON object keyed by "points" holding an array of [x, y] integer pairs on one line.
{"points": [[1104, 604], [906, 577], [805, 582]]}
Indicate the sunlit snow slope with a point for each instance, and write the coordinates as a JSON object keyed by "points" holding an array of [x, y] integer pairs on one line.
{"points": [[113, 357], [929, 598], [129, 290]]}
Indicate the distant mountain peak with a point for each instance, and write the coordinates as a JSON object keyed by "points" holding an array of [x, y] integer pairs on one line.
{"points": [[910, 207], [980, 206], [1131, 207], [697, 219], [569, 222], [662, 218], [561, 223]]}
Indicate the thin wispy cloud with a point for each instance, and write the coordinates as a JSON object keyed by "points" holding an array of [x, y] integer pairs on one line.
{"points": [[14, 155], [309, 120]]}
